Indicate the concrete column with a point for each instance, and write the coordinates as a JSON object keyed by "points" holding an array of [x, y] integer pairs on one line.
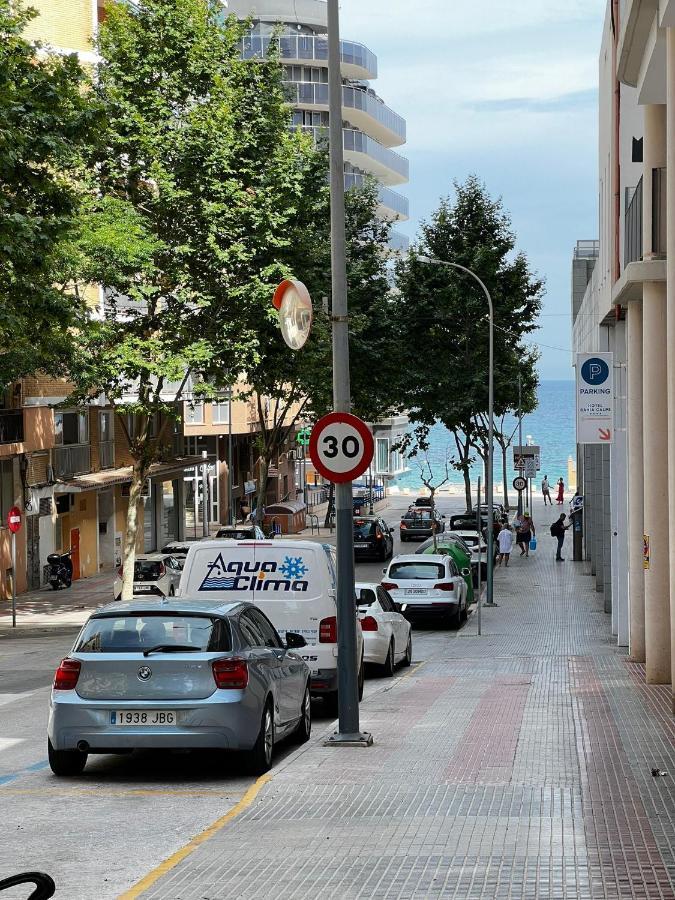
{"points": [[607, 528], [636, 581], [589, 505], [654, 157], [670, 242], [657, 577], [619, 487], [598, 520]]}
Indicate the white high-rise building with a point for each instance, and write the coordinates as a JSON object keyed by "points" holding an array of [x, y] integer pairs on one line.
{"points": [[370, 128]]}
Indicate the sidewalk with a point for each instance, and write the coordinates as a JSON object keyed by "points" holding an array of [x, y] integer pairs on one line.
{"points": [[68, 608], [512, 765]]}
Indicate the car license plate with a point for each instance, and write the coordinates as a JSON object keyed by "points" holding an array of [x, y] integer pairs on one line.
{"points": [[416, 592], [142, 588], [130, 717], [361, 546]]}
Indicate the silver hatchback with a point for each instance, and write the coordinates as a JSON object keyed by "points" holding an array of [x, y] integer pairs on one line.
{"points": [[178, 674]]}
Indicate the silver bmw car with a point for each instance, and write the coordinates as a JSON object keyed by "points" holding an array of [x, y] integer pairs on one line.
{"points": [[178, 674]]}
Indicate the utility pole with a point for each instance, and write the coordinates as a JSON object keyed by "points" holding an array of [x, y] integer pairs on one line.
{"points": [[349, 733], [520, 435], [231, 518], [205, 493]]}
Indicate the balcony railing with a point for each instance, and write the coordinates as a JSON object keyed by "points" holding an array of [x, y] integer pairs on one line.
{"points": [[659, 212], [313, 48], [71, 460], [632, 245], [106, 454], [11, 426], [358, 142]]}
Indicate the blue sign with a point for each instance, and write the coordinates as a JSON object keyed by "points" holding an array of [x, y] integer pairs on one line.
{"points": [[595, 371]]}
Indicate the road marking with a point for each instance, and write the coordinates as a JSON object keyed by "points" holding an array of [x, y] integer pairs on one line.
{"points": [[6, 699], [6, 743], [170, 863]]}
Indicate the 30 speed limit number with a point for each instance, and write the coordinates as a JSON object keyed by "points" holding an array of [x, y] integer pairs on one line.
{"points": [[341, 447]]}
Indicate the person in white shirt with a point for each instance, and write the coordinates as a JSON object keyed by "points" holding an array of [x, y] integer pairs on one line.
{"points": [[505, 542], [546, 490]]}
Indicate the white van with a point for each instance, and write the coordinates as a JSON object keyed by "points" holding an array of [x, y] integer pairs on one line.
{"points": [[294, 584]]}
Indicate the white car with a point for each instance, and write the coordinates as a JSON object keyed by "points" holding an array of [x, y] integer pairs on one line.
{"points": [[245, 532], [179, 549], [426, 587], [477, 545], [155, 574], [387, 635]]}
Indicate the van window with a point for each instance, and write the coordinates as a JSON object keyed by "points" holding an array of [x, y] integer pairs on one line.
{"points": [[332, 563]]}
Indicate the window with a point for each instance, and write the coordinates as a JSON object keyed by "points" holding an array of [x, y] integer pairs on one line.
{"points": [[386, 602], [131, 423], [270, 637], [366, 597], [107, 426], [383, 456], [71, 428], [6, 488], [125, 634], [193, 412], [250, 631], [221, 412], [413, 571]]}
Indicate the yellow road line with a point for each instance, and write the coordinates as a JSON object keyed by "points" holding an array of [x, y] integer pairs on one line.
{"points": [[189, 848]]}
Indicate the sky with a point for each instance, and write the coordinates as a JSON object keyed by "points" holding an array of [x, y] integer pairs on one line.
{"points": [[505, 89]]}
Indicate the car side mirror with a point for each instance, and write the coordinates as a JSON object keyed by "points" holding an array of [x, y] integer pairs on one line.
{"points": [[466, 572], [294, 641], [384, 571]]}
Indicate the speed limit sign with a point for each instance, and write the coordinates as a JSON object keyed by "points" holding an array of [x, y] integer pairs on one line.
{"points": [[519, 483], [341, 447]]}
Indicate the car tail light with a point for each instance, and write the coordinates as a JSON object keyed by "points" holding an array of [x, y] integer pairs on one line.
{"points": [[403, 526], [162, 570], [368, 624], [389, 585], [120, 572], [378, 534], [230, 673], [328, 630], [445, 586], [67, 674]]}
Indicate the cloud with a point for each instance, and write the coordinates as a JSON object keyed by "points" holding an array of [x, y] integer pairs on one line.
{"points": [[576, 100]]}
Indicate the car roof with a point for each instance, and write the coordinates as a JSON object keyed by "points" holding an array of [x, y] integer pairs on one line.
{"points": [[172, 605], [151, 557], [415, 557], [366, 584], [367, 517]]}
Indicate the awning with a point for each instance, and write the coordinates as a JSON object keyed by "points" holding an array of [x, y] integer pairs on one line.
{"points": [[106, 478]]}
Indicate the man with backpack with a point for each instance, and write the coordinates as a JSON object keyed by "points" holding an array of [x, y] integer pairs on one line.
{"points": [[558, 530]]}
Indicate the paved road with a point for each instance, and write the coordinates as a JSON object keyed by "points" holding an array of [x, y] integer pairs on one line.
{"points": [[99, 833]]}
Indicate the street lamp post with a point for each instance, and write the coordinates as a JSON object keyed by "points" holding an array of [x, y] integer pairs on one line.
{"points": [[491, 421]]}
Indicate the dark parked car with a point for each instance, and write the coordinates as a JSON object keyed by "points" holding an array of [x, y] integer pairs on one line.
{"points": [[372, 538], [424, 502], [417, 524]]}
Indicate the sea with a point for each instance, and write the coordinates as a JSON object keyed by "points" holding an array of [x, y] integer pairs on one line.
{"points": [[551, 426]]}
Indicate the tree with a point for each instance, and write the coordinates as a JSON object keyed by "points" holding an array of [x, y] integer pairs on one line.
{"points": [[434, 471], [45, 118], [450, 324], [298, 385], [193, 185]]}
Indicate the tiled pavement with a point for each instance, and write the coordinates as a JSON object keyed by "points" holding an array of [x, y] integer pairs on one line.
{"points": [[512, 765]]}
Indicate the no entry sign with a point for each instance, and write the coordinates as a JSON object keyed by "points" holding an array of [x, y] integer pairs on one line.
{"points": [[341, 447], [14, 519]]}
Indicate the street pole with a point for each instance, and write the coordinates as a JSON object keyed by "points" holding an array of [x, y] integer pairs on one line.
{"points": [[13, 579], [230, 480], [205, 493], [349, 732], [489, 479], [480, 562], [520, 436]]}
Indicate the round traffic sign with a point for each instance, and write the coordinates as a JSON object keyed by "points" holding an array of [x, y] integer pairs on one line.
{"points": [[341, 447], [519, 484], [14, 519]]}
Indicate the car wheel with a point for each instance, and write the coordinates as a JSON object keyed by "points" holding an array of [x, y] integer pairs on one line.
{"points": [[304, 729], [362, 678], [465, 612], [331, 704], [389, 664], [407, 659], [455, 618], [260, 760], [54, 585], [66, 762]]}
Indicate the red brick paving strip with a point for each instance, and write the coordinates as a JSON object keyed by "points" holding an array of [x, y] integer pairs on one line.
{"points": [[487, 748], [617, 828]]}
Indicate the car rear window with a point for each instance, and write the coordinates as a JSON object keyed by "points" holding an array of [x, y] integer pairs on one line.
{"points": [[363, 528], [407, 571], [418, 514], [146, 570], [236, 534], [130, 633]]}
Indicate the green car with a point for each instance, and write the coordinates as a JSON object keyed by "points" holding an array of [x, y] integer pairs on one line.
{"points": [[459, 556]]}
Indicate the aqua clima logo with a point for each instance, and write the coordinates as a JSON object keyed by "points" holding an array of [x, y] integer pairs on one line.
{"points": [[240, 575]]}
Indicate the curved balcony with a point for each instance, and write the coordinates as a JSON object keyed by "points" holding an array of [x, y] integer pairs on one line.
{"points": [[357, 60], [399, 243], [363, 152], [361, 108], [391, 205]]}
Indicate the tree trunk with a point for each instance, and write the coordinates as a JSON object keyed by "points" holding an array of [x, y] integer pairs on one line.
{"points": [[331, 505], [129, 552], [507, 507], [467, 489], [433, 516], [262, 490]]}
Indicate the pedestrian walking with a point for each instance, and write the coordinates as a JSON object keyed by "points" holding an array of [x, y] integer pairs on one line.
{"points": [[558, 530], [524, 531], [561, 491], [505, 543], [546, 491]]}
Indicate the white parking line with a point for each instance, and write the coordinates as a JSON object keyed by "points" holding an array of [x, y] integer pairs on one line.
{"points": [[6, 699]]}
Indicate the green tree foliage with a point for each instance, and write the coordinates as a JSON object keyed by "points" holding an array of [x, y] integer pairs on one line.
{"points": [[448, 322], [45, 116], [194, 184], [298, 385]]}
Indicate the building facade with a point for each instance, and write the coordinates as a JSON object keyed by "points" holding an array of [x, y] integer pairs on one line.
{"points": [[630, 305], [371, 130]]}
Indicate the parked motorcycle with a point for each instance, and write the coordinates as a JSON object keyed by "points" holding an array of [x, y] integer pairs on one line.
{"points": [[60, 570]]}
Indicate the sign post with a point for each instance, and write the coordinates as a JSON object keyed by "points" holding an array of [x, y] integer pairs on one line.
{"points": [[595, 398], [14, 525]]}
